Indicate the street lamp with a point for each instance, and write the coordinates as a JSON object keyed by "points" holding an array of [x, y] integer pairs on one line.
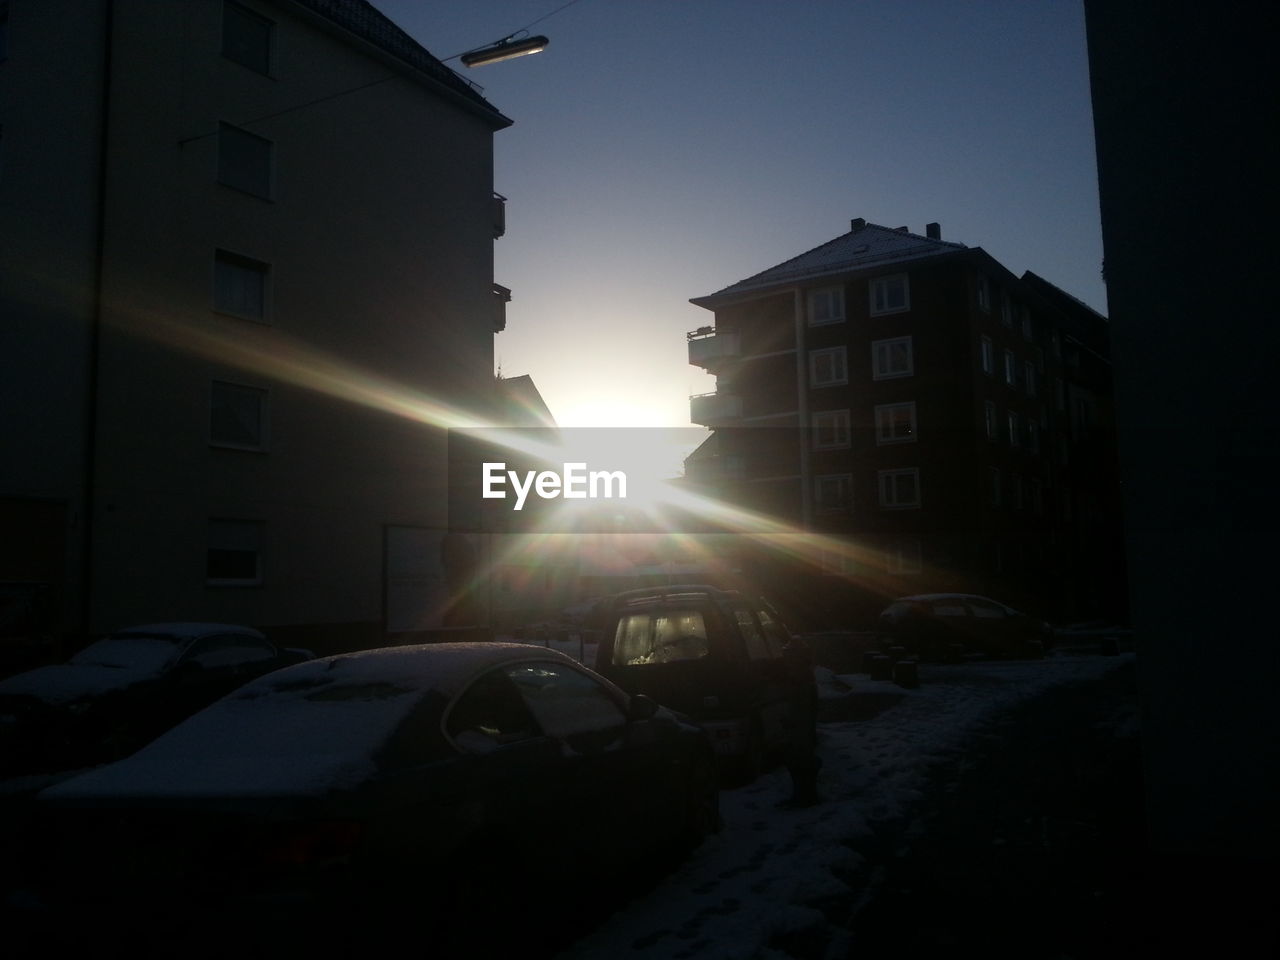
{"points": [[505, 49]]}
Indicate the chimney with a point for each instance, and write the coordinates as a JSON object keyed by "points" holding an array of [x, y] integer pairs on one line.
{"points": [[857, 223], [933, 231], [901, 230]]}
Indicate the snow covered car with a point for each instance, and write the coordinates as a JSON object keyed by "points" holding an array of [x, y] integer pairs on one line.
{"points": [[126, 689], [716, 656], [434, 781], [933, 625]]}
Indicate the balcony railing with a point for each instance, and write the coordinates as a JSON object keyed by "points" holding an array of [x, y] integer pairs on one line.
{"points": [[499, 215], [713, 409], [706, 347]]}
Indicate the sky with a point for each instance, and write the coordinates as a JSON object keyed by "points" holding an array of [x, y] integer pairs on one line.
{"points": [[664, 149]]}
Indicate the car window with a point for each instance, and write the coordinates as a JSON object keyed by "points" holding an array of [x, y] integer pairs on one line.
{"points": [[949, 608], [569, 705], [228, 651], [775, 634], [490, 715], [142, 654], [992, 611], [757, 645], [662, 636]]}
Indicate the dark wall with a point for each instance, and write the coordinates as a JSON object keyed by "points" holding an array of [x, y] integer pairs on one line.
{"points": [[1184, 102]]}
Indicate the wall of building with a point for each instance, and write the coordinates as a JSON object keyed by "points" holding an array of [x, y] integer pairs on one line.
{"points": [[376, 236], [50, 105]]}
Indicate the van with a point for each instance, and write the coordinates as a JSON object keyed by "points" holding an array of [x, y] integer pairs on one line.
{"points": [[716, 656]]}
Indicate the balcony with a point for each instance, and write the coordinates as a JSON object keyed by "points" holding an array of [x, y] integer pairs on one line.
{"points": [[499, 215], [707, 348], [714, 409]]}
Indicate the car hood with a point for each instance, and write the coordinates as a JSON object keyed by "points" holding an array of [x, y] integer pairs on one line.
{"points": [[65, 683]]}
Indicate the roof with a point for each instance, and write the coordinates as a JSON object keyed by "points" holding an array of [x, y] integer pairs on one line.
{"points": [[187, 631], [1078, 319], [522, 404], [866, 246], [368, 23]]}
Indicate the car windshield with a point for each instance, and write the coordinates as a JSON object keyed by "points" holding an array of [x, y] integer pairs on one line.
{"points": [[141, 654], [661, 636]]}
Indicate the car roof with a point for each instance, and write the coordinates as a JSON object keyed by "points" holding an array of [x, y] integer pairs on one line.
{"points": [[675, 592], [945, 596], [443, 667], [931, 597], [186, 630]]}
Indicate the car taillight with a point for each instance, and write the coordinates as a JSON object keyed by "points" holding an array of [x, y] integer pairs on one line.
{"points": [[309, 844]]}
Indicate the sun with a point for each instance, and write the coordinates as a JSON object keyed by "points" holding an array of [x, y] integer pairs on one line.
{"points": [[609, 414]]}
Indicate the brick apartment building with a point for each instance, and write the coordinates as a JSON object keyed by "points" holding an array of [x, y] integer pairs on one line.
{"points": [[930, 420]]}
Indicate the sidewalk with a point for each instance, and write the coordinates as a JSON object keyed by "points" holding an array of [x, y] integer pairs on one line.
{"points": [[1032, 845]]}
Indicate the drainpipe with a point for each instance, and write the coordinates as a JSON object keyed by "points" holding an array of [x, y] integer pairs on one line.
{"points": [[802, 408], [89, 511]]}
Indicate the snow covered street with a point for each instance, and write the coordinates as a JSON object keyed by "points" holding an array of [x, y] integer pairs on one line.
{"points": [[764, 881]]}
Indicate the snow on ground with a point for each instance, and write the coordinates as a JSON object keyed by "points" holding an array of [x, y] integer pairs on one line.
{"points": [[760, 877]]}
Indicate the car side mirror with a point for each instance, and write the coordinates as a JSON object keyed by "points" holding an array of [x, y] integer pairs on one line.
{"points": [[642, 708]]}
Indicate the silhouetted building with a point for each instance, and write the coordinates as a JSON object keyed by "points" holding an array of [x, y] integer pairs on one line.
{"points": [[246, 282], [941, 423], [1182, 93]]}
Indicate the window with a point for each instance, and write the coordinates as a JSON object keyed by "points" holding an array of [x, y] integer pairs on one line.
{"points": [[833, 493], [1033, 436], [1025, 314], [1006, 310], [1010, 368], [828, 367], [905, 556], [234, 554], [826, 306], [1037, 496], [993, 486], [895, 423], [1055, 342], [984, 294], [244, 160], [489, 715], [830, 429], [660, 637], [1017, 491], [227, 652], [890, 294], [900, 489], [1013, 428], [988, 356], [989, 420], [237, 416], [569, 705], [891, 358], [239, 286], [1029, 373], [758, 646], [246, 37], [1059, 394], [1080, 418]]}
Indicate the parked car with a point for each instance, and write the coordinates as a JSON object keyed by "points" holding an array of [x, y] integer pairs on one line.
{"points": [[438, 781], [126, 689], [933, 626], [716, 656]]}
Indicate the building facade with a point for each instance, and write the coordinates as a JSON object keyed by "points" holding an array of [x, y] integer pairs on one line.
{"points": [[926, 419], [247, 284]]}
